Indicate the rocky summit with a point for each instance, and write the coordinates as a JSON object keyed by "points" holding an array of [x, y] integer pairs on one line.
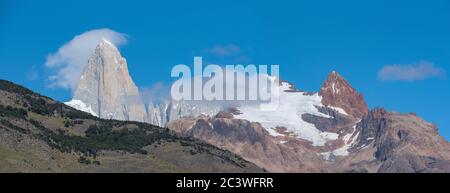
{"points": [[337, 93], [105, 87]]}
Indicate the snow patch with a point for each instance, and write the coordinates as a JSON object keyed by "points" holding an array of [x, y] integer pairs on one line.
{"points": [[349, 141], [107, 42], [80, 105], [339, 110]]}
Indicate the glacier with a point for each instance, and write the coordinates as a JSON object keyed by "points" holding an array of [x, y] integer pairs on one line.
{"points": [[292, 105]]}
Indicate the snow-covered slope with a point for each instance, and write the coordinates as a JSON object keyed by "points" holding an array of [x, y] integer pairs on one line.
{"points": [[339, 110], [292, 105], [349, 141], [80, 105]]}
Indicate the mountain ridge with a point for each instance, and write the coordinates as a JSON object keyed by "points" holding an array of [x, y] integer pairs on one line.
{"points": [[364, 140]]}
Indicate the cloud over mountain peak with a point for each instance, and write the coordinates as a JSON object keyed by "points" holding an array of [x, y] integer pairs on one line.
{"points": [[68, 62]]}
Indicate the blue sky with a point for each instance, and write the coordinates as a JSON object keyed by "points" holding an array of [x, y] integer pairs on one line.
{"points": [[308, 39]]}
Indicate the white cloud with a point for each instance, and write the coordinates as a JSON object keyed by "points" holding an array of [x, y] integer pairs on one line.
{"points": [[68, 62], [410, 72]]}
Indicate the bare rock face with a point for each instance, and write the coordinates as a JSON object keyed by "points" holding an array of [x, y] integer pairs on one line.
{"points": [[401, 143], [372, 125], [407, 143], [337, 92], [106, 89], [336, 123]]}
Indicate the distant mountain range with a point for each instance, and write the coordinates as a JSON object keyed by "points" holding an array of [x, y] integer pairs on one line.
{"points": [[332, 130]]}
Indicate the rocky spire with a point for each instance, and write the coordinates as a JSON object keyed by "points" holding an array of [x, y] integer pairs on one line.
{"points": [[105, 87], [337, 92]]}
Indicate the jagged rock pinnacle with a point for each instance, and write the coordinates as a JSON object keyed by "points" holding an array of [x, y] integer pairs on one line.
{"points": [[337, 92], [105, 87]]}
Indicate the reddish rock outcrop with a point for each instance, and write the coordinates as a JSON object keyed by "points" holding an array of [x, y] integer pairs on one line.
{"points": [[337, 92]]}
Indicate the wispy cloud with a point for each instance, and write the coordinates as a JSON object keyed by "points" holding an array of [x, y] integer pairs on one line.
{"points": [[32, 73], [156, 93], [225, 50], [68, 62], [226, 54], [410, 72]]}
